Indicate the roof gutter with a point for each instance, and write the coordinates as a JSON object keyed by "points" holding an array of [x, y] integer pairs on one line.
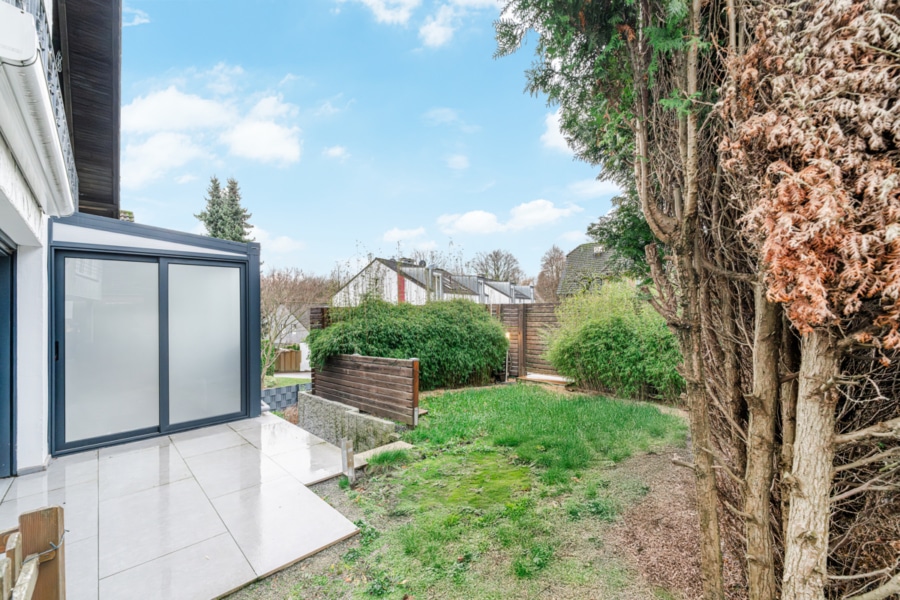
{"points": [[27, 118]]}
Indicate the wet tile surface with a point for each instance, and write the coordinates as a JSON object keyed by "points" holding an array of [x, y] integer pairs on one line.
{"points": [[193, 515]]}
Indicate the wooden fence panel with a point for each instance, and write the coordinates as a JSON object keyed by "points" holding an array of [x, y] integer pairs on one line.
{"points": [[288, 361], [384, 387]]}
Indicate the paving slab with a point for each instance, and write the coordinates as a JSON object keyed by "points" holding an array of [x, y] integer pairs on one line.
{"points": [[193, 515]]}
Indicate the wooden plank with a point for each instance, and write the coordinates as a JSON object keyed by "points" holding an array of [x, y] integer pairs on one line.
{"points": [[387, 395], [376, 360], [43, 530], [522, 339], [387, 380], [26, 585], [368, 405], [415, 422], [7, 581], [14, 554], [364, 382], [370, 368], [375, 400]]}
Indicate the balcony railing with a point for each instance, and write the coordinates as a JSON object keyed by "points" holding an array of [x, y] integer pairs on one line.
{"points": [[51, 58]]}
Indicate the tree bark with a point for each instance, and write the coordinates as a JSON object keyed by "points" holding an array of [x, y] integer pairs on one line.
{"points": [[790, 362], [763, 408], [701, 431], [806, 536]]}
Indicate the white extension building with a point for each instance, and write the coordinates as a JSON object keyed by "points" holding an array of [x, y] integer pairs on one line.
{"points": [[104, 325]]}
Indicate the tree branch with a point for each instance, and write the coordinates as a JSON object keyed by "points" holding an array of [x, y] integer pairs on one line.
{"points": [[885, 429]]}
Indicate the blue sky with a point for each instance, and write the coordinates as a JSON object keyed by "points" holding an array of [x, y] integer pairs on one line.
{"points": [[353, 127]]}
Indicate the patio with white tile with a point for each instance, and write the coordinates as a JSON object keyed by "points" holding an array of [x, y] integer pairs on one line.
{"points": [[192, 515]]}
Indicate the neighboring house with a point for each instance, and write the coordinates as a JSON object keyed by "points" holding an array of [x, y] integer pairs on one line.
{"points": [[296, 333], [404, 281], [109, 331], [586, 268]]}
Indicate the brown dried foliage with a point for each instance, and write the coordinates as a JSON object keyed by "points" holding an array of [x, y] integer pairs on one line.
{"points": [[818, 131]]}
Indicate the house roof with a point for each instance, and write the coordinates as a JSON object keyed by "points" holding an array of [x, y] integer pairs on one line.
{"points": [[419, 275], [586, 266]]}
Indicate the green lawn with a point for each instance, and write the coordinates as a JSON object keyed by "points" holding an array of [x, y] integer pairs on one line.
{"points": [[274, 382], [506, 495]]}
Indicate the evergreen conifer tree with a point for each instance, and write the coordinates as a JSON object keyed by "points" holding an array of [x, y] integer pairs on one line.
{"points": [[224, 217]]}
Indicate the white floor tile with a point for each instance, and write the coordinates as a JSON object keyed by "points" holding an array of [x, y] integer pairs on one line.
{"points": [[81, 569], [233, 469], [313, 464], [126, 473], [143, 526], [281, 522], [204, 570], [79, 503], [61, 472], [208, 439]]}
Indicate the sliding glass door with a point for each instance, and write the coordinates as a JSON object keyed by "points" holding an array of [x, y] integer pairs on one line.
{"points": [[145, 346], [111, 347], [204, 342]]}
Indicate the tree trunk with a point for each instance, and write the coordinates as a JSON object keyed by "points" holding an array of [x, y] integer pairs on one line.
{"points": [[806, 536], [763, 408], [701, 434], [790, 362]]}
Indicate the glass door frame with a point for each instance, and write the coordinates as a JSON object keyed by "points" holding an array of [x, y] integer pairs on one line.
{"points": [[8, 357], [58, 442]]}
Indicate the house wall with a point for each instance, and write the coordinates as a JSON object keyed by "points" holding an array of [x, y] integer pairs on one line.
{"points": [[495, 296], [380, 280], [23, 221]]}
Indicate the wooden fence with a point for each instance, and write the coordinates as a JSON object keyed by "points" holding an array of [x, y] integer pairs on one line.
{"points": [[33, 565], [385, 387], [288, 361], [529, 326]]}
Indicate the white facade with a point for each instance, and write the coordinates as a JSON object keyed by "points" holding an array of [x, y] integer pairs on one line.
{"points": [[382, 278], [379, 280]]}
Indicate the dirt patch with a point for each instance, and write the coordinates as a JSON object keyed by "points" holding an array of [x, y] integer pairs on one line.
{"points": [[659, 537]]}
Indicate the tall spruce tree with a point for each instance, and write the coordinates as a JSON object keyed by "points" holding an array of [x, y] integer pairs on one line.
{"points": [[238, 219], [224, 217]]}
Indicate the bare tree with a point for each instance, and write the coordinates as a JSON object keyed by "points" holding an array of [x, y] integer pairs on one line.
{"points": [[285, 294], [553, 263], [498, 265]]}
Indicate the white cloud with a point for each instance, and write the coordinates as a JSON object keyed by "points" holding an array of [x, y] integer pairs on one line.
{"points": [[165, 129], [438, 28], [474, 221], [275, 244], [448, 116], [186, 178], [174, 110], [458, 162], [395, 12], [527, 215], [272, 107], [337, 152], [574, 237], [265, 141], [538, 212], [160, 153], [221, 78], [134, 16], [594, 188], [552, 137], [398, 235], [441, 116]]}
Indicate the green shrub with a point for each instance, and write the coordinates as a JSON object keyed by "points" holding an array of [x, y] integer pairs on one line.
{"points": [[457, 342], [613, 341]]}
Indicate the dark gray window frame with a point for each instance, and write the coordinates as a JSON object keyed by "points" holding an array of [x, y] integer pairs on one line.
{"points": [[8, 351], [244, 256]]}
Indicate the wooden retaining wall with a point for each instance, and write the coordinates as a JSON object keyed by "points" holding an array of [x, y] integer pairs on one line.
{"points": [[385, 387]]}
